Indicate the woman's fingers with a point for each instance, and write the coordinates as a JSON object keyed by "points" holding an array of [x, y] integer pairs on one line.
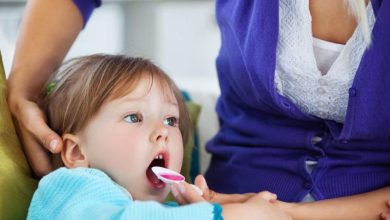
{"points": [[34, 121], [175, 190], [268, 196], [36, 137], [263, 196], [37, 156], [386, 215], [211, 196], [201, 183], [185, 193]]}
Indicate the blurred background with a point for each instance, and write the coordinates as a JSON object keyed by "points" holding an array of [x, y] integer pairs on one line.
{"points": [[181, 36]]}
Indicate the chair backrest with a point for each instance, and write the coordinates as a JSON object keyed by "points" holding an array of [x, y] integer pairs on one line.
{"points": [[16, 183]]}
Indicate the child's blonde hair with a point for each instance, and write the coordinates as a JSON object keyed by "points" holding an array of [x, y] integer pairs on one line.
{"points": [[82, 85]]}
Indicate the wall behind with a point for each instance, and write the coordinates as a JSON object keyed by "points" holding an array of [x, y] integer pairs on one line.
{"points": [[10, 17], [181, 36]]}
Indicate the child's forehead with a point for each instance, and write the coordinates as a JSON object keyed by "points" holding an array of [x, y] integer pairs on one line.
{"points": [[144, 87]]}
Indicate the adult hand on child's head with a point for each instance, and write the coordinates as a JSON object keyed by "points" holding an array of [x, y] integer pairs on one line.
{"points": [[35, 135]]}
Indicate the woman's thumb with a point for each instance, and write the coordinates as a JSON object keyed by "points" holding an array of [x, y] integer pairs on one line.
{"points": [[200, 182], [48, 138]]}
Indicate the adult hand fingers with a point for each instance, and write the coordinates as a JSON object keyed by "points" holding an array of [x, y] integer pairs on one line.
{"points": [[175, 190], [263, 196], [36, 136], [35, 122], [37, 156], [185, 193], [200, 182], [211, 196], [268, 196], [208, 194], [386, 215]]}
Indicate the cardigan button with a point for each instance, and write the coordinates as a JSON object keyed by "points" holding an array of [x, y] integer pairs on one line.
{"points": [[321, 104], [322, 82], [316, 139], [352, 92], [321, 90], [286, 105], [307, 185]]}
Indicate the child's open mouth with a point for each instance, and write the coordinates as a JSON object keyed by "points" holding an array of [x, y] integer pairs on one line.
{"points": [[160, 160]]}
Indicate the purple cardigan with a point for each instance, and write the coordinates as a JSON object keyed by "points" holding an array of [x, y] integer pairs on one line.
{"points": [[265, 139], [86, 8]]}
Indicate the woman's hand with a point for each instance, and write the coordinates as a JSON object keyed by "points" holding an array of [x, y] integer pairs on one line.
{"points": [[36, 137], [256, 206], [184, 193], [386, 215], [212, 196], [47, 31]]}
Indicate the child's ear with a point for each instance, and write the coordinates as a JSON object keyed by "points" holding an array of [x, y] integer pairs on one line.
{"points": [[72, 154]]}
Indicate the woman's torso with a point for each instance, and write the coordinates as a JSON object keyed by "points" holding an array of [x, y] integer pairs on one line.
{"points": [[265, 138]]}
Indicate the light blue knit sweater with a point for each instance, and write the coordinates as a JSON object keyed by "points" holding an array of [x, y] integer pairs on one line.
{"points": [[85, 193]]}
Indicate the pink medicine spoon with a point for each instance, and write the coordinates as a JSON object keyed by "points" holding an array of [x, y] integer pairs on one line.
{"points": [[169, 176]]}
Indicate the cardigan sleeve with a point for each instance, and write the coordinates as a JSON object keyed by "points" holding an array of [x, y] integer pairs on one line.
{"points": [[86, 8], [85, 193]]}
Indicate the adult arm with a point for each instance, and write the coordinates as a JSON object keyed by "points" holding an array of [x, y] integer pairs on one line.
{"points": [[255, 206], [371, 205], [367, 206], [47, 32]]}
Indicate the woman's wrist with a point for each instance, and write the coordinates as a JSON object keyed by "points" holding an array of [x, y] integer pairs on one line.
{"points": [[21, 88], [292, 209]]}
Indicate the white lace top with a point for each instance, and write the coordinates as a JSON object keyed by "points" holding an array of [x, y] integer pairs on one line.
{"points": [[325, 53], [298, 76]]}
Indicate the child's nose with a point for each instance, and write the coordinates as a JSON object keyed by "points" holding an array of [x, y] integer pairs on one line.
{"points": [[159, 134]]}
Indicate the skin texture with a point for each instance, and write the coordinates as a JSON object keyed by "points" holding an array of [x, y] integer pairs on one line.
{"points": [[331, 21], [124, 137], [386, 215]]}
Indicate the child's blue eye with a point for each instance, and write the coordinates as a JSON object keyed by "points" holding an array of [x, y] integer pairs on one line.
{"points": [[133, 118], [171, 121]]}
